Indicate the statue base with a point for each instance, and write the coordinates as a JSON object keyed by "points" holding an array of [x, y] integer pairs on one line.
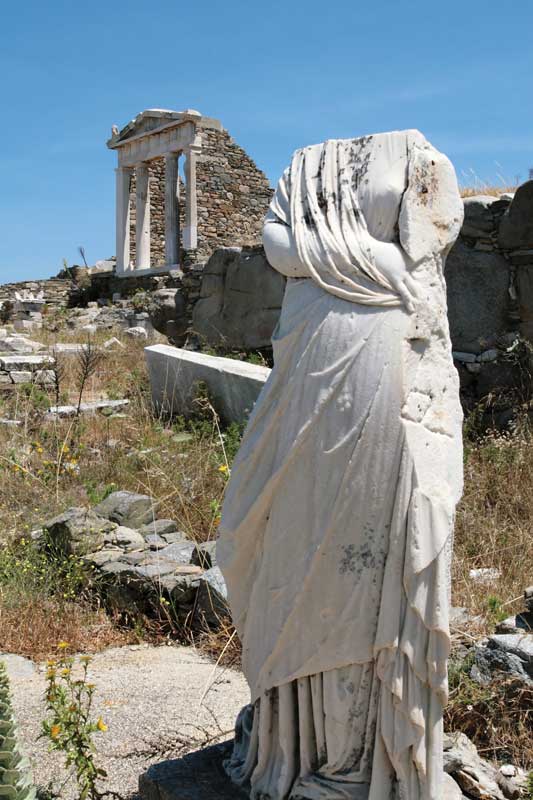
{"points": [[196, 776]]}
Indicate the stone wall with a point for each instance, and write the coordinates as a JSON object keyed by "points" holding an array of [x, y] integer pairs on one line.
{"points": [[233, 195], [489, 277], [58, 292]]}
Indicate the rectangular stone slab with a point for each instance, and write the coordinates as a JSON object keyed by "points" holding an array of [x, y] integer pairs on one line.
{"points": [[233, 385], [197, 776]]}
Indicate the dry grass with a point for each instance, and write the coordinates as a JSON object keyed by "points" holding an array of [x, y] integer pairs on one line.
{"points": [[46, 467], [494, 527], [34, 626], [497, 718], [495, 191]]}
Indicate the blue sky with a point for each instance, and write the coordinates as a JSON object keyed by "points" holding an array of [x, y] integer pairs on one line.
{"points": [[278, 75]]}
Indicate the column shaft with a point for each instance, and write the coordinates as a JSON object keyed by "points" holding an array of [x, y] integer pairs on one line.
{"points": [[190, 236], [142, 221], [123, 180], [171, 210]]}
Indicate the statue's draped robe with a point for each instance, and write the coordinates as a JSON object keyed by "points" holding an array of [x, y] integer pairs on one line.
{"points": [[336, 532]]}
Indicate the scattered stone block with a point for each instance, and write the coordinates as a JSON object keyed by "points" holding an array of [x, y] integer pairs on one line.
{"points": [[44, 377], [101, 557], [155, 569], [159, 527], [113, 344], [180, 552], [174, 375], [19, 344], [20, 376], [126, 537], [24, 362], [126, 508], [475, 776], [86, 408], [78, 531], [175, 536], [137, 332], [155, 542], [204, 555]]}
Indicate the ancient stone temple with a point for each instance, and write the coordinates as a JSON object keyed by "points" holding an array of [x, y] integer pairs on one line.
{"points": [[183, 188]]}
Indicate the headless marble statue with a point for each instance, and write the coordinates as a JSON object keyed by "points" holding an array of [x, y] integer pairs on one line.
{"points": [[336, 532]]}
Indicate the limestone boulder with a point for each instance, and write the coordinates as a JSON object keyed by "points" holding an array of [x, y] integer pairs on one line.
{"points": [[78, 531], [516, 226], [478, 296], [240, 299]]}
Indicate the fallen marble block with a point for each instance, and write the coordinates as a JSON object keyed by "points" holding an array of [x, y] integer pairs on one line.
{"points": [[233, 385], [24, 362], [96, 405]]}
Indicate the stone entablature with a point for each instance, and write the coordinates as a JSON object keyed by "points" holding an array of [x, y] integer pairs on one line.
{"points": [[164, 219]]}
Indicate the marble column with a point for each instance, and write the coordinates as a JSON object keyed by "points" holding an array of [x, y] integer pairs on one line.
{"points": [[190, 236], [171, 210], [142, 221], [123, 180]]}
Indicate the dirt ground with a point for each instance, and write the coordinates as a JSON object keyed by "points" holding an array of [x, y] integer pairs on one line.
{"points": [[151, 700]]}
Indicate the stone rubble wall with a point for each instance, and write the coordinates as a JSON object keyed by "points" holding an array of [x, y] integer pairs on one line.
{"points": [[233, 195], [489, 277], [58, 292]]}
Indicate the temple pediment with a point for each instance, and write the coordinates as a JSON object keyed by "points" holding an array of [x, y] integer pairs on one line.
{"points": [[153, 120]]}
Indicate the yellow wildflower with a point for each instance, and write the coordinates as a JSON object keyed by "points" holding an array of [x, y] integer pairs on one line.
{"points": [[55, 730], [101, 725], [65, 672], [223, 468], [63, 645]]}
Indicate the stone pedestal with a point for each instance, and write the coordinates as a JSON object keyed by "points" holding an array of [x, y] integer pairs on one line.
{"points": [[197, 776]]}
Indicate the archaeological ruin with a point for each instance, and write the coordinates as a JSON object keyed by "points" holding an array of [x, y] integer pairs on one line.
{"points": [[183, 188]]}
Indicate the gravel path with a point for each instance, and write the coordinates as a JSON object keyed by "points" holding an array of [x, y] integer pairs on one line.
{"points": [[150, 699]]}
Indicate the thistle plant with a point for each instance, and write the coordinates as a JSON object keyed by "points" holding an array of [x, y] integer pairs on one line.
{"points": [[15, 774], [69, 727]]}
